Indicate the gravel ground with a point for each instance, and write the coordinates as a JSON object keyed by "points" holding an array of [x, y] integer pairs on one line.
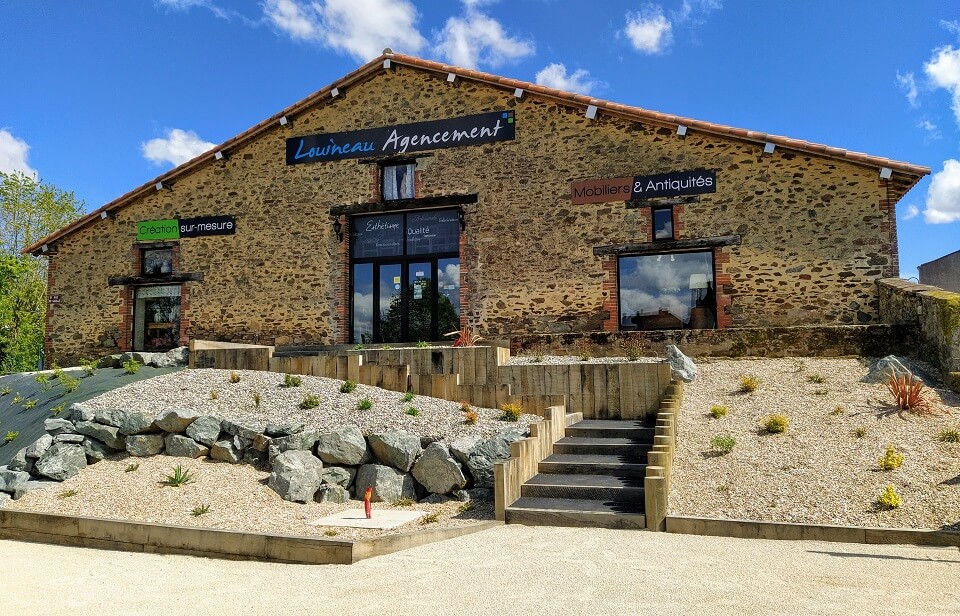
{"points": [[210, 392], [819, 471]]}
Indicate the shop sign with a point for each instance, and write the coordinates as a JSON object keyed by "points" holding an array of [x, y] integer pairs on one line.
{"points": [[53, 298], [402, 139], [173, 229], [673, 184]]}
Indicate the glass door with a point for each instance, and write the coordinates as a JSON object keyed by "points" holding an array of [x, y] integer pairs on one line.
{"points": [[391, 304], [421, 302]]}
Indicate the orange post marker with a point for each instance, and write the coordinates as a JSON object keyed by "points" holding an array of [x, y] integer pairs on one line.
{"points": [[366, 502]]}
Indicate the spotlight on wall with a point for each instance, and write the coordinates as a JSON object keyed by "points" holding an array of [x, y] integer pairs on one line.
{"points": [[518, 93], [386, 64], [284, 121], [768, 147], [591, 112], [45, 248], [161, 185], [451, 77], [334, 93], [885, 173], [220, 155], [104, 215], [338, 228], [681, 131]]}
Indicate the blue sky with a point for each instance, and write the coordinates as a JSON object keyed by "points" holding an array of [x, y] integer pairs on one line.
{"points": [[100, 97]]}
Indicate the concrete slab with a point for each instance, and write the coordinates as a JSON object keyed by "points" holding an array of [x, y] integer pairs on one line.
{"points": [[381, 518]]}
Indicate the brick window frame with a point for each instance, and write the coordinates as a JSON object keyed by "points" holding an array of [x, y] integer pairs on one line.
{"points": [[128, 295]]}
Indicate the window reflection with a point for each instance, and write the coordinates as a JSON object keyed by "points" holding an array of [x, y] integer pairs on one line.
{"points": [[668, 291]]}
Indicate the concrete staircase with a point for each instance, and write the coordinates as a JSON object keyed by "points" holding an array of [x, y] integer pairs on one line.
{"points": [[593, 478]]}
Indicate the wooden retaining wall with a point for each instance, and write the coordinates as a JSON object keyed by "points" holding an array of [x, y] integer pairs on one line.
{"points": [[526, 454], [659, 473], [229, 356]]}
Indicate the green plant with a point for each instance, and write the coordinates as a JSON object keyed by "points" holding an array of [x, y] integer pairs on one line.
{"points": [[839, 410], [234, 377], [11, 436], [776, 423], [431, 518], [402, 502], [56, 410], [718, 411], [348, 386], [68, 493], [749, 383], [889, 499], [465, 507], [199, 510], [859, 432], [358, 347], [633, 348], [89, 366], [723, 443], [799, 366], [413, 411], [387, 347], [132, 366], [132, 467], [29, 404], [422, 344], [365, 404], [44, 380], [256, 399], [214, 395], [5, 391], [470, 418], [891, 460], [511, 411], [407, 397], [178, 477], [17, 398], [583, 349], [331, 533], [292, 380], [312, 401], [816, 378], [950, 436], [820, 392], [538, 351], [909, 394]]}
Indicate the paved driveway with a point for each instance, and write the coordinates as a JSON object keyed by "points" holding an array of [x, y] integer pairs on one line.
{"points": [[507, 570]]}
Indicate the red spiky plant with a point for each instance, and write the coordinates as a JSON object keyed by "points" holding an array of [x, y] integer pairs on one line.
{"points": [[909, 394], [465, 337]]}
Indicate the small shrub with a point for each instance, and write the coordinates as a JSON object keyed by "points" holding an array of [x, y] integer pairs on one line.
{"points": [[633, 348], [909, 394], [214, 395], [199, 510], [839, 410], [950, 436], [891, 460], [799, 366], [431, 518], [583, 349], [178, 477], [29, 404], [859, 432], [348, 386], [511, 411], [310, 402], [470, 418], [5, 391], [465, 338], [723, 443], [718, 411], [465, 507], [402, 502], [68, 493], [256, 399], [889, 499], [44, 380], [358, 347], [407, 397], [292, 380], [331, 533], [11, 436], [234, 377], [132, 467], [56, 410], [365, 404], [776, 423], [538, 351], [817, 378], [465, 406], [749, 383], [422, 344], [132, 366], [89, 366], [413, 411], [17, 398]]}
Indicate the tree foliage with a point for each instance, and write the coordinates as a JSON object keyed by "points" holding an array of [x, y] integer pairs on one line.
{"points": [[29, 211]]}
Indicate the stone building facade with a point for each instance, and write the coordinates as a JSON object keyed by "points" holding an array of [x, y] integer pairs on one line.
{"points": [[791, 233]]}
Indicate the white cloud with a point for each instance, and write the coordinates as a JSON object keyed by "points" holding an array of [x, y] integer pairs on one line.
{"points": [[176, 148], [911, 213], [931, 129], [476, 39], [555, 76], [943, 69], [13, 154], [186, 5], [943, 196], [908, 83], [649, 32], [360, 28], [951, 26]]}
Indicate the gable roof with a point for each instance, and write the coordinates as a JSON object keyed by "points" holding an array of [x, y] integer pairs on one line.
{"points": [[904, 175]]}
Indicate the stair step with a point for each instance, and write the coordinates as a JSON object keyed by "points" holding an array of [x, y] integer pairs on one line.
{"points": [[608, 428], [573, 512], [592, 464], [604, 446], [586, 487]]}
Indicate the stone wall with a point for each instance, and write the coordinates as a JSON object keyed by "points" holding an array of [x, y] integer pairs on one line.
{"points": [[932, 318], [815, 233]]}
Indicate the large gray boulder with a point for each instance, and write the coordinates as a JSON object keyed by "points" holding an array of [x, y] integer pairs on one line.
{"points": [[262, 443], [337, 475], [39, 446], [345, 446], [243, 429], [20, 462], [4, 499], [69, 438], [282, 429], [205, 429], [296, 475], [225, 451], [77, 412], [30, 486], [398, 449], [10, 479], [389, 485], [329, 493], [437, 471], [181, 446], [175, 421], [881, 370], [180, 356], [56, 426], [95, 450], [480, 455], [157, 360], [143, 445], [301, 441], [108, 435], [61, 461], [127, 422], [681, 366]]}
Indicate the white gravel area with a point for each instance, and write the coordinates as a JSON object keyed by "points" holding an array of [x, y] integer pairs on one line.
{"points": [[820, 470], [210, 392]]}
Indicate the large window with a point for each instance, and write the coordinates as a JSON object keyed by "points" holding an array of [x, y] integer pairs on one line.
{"points": [[156, 318], [668, 291]]}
